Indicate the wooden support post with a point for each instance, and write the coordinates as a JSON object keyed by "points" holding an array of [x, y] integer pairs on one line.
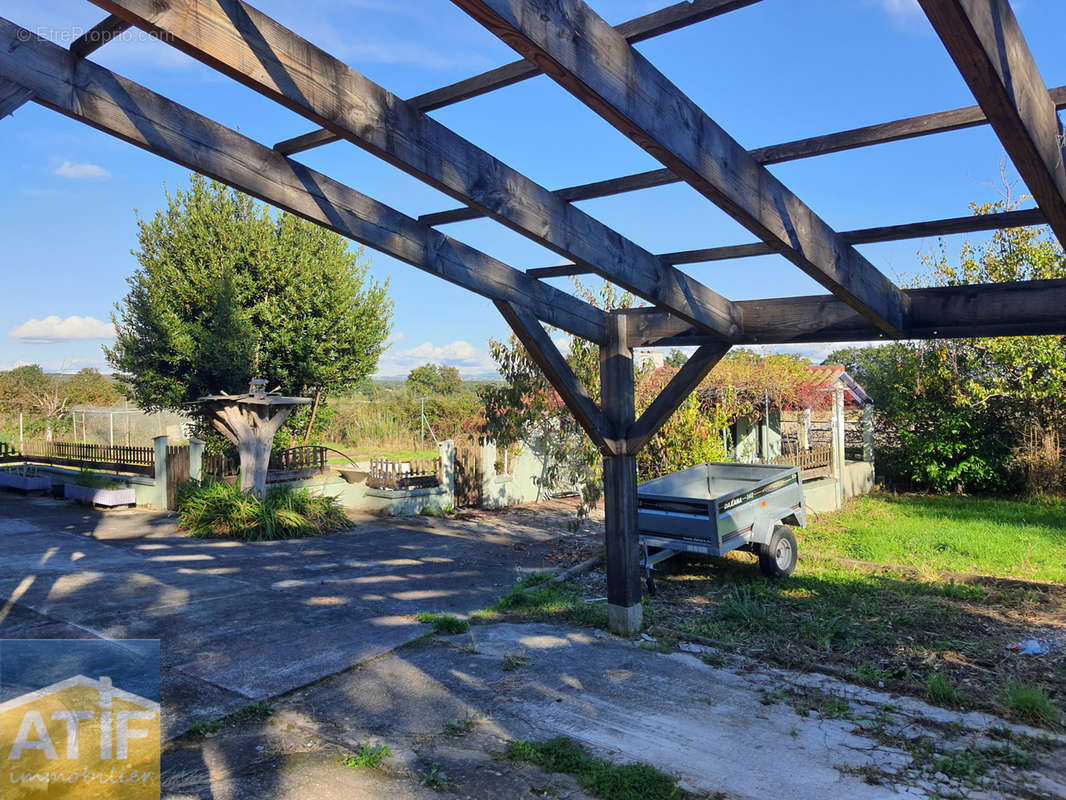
{"points": [[838, 443], [868, 433], [625, 614]]}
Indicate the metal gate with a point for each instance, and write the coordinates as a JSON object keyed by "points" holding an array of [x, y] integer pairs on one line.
{"points": [[468, 474], [177, 472]]}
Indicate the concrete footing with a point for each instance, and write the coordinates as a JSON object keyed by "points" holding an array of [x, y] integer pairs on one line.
{"points": [[625, 620]]}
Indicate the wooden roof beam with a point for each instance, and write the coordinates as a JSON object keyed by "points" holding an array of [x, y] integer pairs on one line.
{"points": [[250, 47], [866, 136], [12, 97], [986, 44], [100, 34], [580, 51], [887, 233], [639, 29], [91, 94], [1018, 308]]}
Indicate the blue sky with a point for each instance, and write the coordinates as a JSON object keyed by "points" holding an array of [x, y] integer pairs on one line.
{"points": [[776, 71]]}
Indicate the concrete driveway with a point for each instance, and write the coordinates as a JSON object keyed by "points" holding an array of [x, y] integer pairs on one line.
{"points": [[241, 622], [288, 621]]}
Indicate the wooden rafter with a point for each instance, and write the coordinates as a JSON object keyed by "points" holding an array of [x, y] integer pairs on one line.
{"points": [[100, 34], [841, 141], [985, 42], [575, 47], [674, 394], [12, 97], [1018, 308], [888, 233], [635, 30], [89, 93], [262, 54], [574, 395]]}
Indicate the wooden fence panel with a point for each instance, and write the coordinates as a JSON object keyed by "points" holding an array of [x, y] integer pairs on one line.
{"points": [[469, 476], [177, 472], [418, 473], [136, 460]]}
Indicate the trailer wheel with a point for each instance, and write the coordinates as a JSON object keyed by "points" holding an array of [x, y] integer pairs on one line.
{"points": [[778, 558]]}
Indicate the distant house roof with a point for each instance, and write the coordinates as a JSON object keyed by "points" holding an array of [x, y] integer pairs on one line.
{"points": [[826, 376]]}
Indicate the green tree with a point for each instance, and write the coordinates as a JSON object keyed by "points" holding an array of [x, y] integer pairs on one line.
{"points": [[30, 388], [434, 379], [88, 387], [676, 358], [227, 290], [980, 414]]}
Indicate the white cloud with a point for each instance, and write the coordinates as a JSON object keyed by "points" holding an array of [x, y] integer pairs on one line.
{"points": [[902, 8], [81, 172], [469, 360], [906, 14], [53, 329]]}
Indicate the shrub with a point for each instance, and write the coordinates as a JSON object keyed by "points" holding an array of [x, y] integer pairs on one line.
{"points": [[215, 509]]}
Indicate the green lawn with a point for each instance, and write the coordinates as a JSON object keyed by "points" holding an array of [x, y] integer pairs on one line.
{"points": [[986, 536]]}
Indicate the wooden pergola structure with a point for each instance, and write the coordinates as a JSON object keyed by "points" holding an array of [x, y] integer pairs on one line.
{"points": [[597, 63]]}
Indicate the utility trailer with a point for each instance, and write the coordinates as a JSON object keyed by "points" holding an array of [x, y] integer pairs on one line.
{"points": [[714, 508]]}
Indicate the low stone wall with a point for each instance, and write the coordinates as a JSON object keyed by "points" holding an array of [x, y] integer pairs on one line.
{"points": [[820, 496]]}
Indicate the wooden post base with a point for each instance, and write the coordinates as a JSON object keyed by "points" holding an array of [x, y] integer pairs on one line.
{"points": [[625, 620]]}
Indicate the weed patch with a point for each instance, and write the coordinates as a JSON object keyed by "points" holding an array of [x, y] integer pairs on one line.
{"points": [[595, 775], [537, 597], [940, 691], [1032, 704], [446, 624], [368, 756]]}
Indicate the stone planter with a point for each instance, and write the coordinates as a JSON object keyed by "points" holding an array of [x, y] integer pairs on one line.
{"points": [[100, 497], [25, 483]]}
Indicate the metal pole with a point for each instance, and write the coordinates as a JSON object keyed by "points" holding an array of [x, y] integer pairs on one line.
{"points": [[112, 434], [422, 420], [20, 428]]}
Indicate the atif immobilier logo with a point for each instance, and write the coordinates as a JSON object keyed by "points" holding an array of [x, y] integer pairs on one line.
{"points": [[65, 733]]}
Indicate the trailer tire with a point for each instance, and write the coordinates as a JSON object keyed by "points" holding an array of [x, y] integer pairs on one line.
{"points": [[778, 558]]}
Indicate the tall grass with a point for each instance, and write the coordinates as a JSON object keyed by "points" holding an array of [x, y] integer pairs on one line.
{"points": [[215, 509]]}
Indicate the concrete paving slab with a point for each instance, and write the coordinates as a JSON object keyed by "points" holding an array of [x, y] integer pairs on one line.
{"points": [[719, 730], [241, 621]]}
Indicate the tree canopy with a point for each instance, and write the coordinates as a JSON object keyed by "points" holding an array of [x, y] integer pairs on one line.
{"points": [[973, 414], [228, 290], [435, 379]]}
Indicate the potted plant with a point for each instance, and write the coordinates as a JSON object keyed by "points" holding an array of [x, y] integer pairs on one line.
{"points": [[100, 490]]}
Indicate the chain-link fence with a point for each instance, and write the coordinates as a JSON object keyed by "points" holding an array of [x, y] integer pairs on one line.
{"points": [[125, 425]]}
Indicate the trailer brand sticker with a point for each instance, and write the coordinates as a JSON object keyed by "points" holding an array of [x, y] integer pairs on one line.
{"points": [[754, 494]]}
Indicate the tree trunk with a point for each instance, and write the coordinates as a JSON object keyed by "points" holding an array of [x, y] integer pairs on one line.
{"points": [[255, 463]]}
